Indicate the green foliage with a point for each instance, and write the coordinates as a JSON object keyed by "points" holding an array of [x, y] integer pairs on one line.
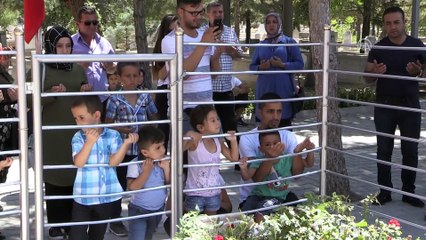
{"points": [[319, 218]]}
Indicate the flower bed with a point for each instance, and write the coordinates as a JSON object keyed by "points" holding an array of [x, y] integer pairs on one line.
{"points": [[318, 218]]}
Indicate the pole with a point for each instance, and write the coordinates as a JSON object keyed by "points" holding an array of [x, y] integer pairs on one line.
{"points": [[326, 63], [23, 131]]}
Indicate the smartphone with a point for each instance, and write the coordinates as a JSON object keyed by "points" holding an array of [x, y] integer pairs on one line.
{"points": [[218, 23]]}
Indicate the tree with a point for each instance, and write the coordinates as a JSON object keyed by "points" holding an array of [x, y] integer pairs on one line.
{"points": [[319, 16], [141, 34]]}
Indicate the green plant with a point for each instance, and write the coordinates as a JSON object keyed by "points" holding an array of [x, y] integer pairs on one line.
{"points": [[319, 218]]}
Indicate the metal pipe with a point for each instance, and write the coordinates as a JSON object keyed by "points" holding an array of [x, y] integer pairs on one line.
{"points": [[176, 169], [38, 163], [325, 66], [23, 131]]}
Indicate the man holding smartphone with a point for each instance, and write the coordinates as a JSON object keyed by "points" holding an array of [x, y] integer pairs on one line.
{"points": [[222, 84]]}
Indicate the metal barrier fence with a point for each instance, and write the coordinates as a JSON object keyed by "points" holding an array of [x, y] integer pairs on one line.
{"points": [[176, 115]]}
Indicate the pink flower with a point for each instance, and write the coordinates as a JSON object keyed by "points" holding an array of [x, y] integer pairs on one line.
{"points": [[219, 237], [394, 222]]}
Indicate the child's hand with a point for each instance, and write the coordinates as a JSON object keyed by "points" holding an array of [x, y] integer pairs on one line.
{"points": [[196, 137], [147, 165], [165, 164], [92, 135], [231, 136], [6, 163], [243, 163], [59, 88], [131, 138]]}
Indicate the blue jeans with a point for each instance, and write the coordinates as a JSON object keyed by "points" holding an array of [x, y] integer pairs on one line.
{"points": [[203, 203], [142, 228], [386, 121]]}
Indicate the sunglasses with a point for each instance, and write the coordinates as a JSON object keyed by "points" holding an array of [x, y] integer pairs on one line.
{"points": [[195, 13], [94, 22]]}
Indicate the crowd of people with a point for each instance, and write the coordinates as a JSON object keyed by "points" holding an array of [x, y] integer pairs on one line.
{"points": [[145, 146]]}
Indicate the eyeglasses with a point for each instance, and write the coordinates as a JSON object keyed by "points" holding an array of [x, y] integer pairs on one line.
{"points": [[94, 22], [195, 13]]}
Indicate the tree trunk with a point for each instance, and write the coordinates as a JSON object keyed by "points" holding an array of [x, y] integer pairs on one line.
{"points": [[227, 12], [248, 26], [141, 37], [288, 17], [366, 18], [237, 17], [319, 12]]}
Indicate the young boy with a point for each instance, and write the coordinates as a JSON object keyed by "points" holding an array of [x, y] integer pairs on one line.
{"points": [[95, 146], [148, 174], [276, 192], [113, 83], [135, 107]]}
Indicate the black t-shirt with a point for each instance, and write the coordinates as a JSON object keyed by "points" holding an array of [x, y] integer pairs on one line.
{"points": [[396, 62]]}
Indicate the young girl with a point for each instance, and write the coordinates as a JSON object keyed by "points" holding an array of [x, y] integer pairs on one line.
{"points": [[205, 121]]}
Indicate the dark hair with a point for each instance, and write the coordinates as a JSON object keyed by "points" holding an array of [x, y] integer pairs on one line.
{"points": [[142, 71], [92, 103], [199, 114], [85, 10], [181, 3], [268, 96], [121, 65], [149, 135], [393, 9], [264, 134], [162, 31], [111, 74], [214, 4]]}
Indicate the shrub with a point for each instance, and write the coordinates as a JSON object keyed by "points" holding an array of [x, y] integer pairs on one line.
{"points": [[318, 218]]}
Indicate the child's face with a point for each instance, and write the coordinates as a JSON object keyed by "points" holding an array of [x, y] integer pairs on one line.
{"points": [[113, 82], [83, 117], [211, 124], [129, 77], [155, 151], [268, 142]]}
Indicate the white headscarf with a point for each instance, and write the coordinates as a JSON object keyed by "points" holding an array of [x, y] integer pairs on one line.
{"points": [[274, 37]]}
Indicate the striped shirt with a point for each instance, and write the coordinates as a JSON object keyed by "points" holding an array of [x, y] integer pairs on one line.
{"points": [[119, 109], [97, 180], [222, 83], [195, 88]]}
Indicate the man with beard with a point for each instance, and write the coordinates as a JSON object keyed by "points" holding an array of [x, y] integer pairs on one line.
{"points": [[396, 92], [196, 58]]}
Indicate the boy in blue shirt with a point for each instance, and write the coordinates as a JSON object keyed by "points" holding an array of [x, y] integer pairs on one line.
{"points": [[95, 146], [148, 174]]}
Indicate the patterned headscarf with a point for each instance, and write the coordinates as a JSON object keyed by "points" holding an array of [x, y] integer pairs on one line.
{"points": [[51, 38], [274, 37]]}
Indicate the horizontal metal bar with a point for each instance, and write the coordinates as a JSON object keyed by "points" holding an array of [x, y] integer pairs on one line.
{"points": [[52, 58], [252, 44], [252, 72], [109, 125], [377, 75], [67, 94]]}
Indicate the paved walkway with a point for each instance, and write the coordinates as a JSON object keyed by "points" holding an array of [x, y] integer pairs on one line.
{"points": [[353, 141]]}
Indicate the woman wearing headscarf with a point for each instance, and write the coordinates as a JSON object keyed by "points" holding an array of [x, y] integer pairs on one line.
{"points": [[59, 77], [277, 58]]}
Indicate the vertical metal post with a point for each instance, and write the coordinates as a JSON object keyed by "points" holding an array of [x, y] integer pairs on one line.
{"points": [[38, 165], [325, 66], [176, 116], [23, 131], [415, 18]]}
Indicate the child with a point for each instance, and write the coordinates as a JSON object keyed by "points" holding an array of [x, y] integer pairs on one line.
{"points": [[276, 192], [113, 83], [147, 175], [135, 107], [95, 146], [205, 121]]}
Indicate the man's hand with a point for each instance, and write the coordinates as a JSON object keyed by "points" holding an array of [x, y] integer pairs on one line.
{"points": [[210, 36], [86, 88], [414, 68], [378, 68]]}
